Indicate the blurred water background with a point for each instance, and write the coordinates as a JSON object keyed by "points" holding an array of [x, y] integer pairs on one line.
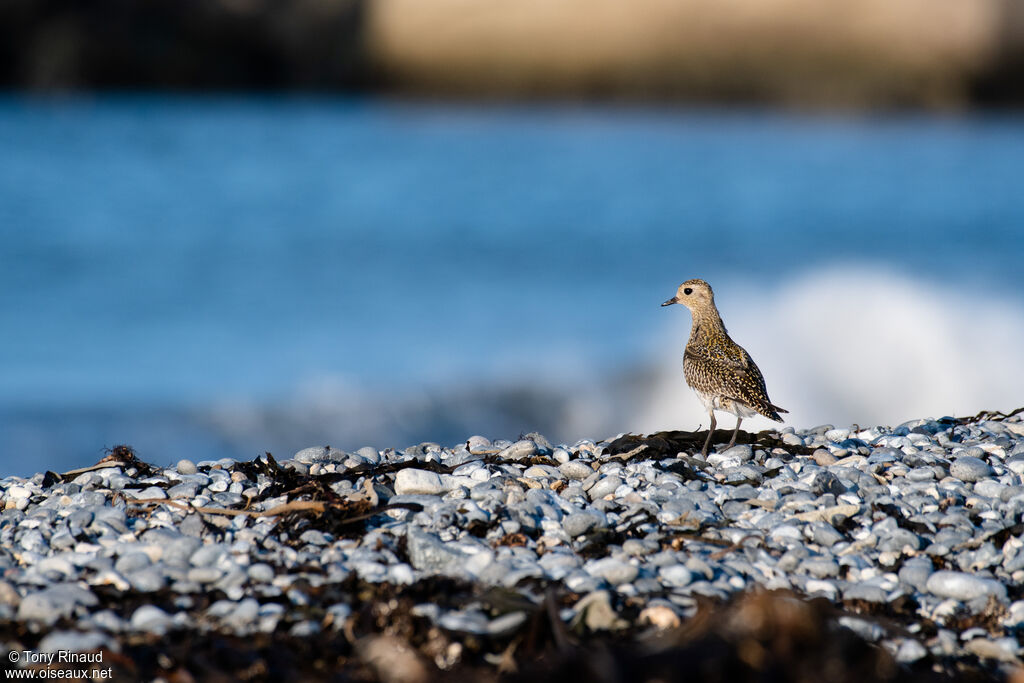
{"points": [[210, 276]]}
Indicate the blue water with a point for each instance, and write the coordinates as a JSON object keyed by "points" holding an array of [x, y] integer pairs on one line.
{"points": [[189, 273]]}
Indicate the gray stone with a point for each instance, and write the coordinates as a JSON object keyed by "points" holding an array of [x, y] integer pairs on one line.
{"points": [[574, 469], [414, 481], [243, 616], [147, 580], [579, 523], [151, 493], [132, 561], [369, 454], [969, 468], [208, 555], [8, 595], [150, 619], [260, 572], [824, 534], [963, 587], [319, 454], [54, 602], [866, 592], [314, 537], [613, 571], [519, 450], [910, 651], [604, 487], [77, 641], [595, 611], [915, 572], [742, 452], [429, 553], [205, 574], [675, 575], [867, 630], [819, 567], [186, 467]]}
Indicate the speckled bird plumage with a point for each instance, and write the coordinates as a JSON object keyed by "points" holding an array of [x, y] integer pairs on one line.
{"points": [[718, 369]]}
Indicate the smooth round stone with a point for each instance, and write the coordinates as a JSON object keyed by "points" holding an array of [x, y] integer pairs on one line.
{"points": [[147, 580], [184, 490], [319, 454], [823, 458], [242, 615], [915, 572], [1015, 616], [638, 547], [899, 539], [837, 435], [19, 493], [75, 641], [131, 562], [153, 492], [208, 555], [58, 600], [742, 452], [824, 534], [919, 474], [186, 467], [969, 468], [604, 487], [478, 443], [990, 489], [792, 439], [150, 619], [369, 454], [519, 450], [821, 587], [315, 537], [910, 651], [819, 567], [868, 630], [204, 574], [579, 523], [260, 572], [613, 571], [576, 470], [675, 575], [540, 471], [865, 592], [414, 481], [786, 532], [963, 587], [227, 499]]}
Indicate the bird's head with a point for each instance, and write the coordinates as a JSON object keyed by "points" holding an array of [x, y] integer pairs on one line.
{"points": [[695, 295]]}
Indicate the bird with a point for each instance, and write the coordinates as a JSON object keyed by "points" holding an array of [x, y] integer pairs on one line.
{"points": [[719, 370]]}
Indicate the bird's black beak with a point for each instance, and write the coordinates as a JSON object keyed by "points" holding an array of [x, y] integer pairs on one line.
{"points": [[670, 302]]}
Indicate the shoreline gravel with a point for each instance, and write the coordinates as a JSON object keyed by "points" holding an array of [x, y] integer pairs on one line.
{"points": [[884, 553]]}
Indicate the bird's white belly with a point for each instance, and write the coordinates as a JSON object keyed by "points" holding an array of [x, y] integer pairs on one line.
{"points": [[727, 405]]}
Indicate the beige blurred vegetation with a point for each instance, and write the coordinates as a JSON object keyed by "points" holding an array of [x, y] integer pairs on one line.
{"points": [[832, 53], [817, 53]]}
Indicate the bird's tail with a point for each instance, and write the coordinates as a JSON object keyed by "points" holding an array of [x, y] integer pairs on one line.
{"points": [[775, 410]]}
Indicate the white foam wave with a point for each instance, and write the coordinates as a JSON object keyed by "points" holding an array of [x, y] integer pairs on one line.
{"points": [[854, 344]]}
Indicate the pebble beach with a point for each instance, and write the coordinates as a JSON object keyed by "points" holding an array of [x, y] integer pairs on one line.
{"points": [[899, 548]]}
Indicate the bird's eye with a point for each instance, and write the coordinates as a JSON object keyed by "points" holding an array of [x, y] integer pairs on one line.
{"points": [[688, 291]]}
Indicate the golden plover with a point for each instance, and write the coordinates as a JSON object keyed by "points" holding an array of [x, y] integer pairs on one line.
{"points": [[722, 374]]}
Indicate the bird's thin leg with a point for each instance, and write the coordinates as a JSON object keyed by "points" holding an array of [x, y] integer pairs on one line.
{"points": [[732, 441], [711, 431]]}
